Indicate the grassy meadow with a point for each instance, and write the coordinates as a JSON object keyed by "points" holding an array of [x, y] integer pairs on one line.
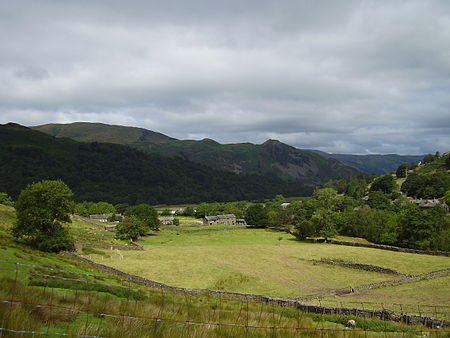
{"points": [[38, 298], [266, 262]]}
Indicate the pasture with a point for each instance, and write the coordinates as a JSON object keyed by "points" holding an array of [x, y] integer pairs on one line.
{"points": [[272, 263]]}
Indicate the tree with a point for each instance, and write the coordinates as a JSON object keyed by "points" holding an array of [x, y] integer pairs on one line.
{"points": [[130, 228], [325, 223], [256, 215], [41, 209], [327, 198], [428, 158], [303, 229], [421, 229], [339, 185], [5, 199], [379, 200], [385, 183], [427, 186], [402, 170], [447, 197], [188, 211], [145, 213]]}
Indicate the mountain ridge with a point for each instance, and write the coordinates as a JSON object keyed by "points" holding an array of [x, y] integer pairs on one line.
{"points": [[101, 132], [376, 164], [271, 158], [119, 174]]}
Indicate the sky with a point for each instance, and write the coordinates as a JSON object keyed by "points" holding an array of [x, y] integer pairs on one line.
{"points": [[349, 76]]}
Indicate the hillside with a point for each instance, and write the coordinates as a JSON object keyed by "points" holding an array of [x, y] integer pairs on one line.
{"points": [[47, 294], [118, 174], [429, 180], [272, 158], [374, 164], [99, 132]]}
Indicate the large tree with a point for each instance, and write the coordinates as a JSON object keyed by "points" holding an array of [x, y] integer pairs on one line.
{"points": [[42, 208], [385, 183], [130, 228], [256, 215], [145, 213]]}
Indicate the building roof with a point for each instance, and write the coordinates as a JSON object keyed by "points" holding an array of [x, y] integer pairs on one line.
{"points": [[100, 216], [216, 217], [168, 218]]}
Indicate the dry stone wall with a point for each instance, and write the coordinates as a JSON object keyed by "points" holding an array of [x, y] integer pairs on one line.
{"points": [[218, 229], [132, 246], [387, 247], [285, 302], [359, 266]]}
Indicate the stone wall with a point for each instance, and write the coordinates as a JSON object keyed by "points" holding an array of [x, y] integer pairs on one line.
{"points": [[105, 246], [359, 266], [388, 283], [387, 247], [218, 229], [286, 302]]}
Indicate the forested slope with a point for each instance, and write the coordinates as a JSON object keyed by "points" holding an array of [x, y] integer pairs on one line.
{"points": [[119, 174]]}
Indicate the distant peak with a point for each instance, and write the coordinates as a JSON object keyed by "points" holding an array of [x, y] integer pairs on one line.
{"points": [[272, 141], [208, 140]]}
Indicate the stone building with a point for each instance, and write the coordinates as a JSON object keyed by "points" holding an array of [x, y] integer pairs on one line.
{"points": [[166, 220], [100, 218], [228, 219]]}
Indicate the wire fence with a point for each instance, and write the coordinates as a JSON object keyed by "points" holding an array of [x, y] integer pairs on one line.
{"points": [[193, 322], [66, 310]]}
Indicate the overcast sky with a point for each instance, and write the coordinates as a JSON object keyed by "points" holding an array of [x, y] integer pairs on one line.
{"points": [[339, 76]]}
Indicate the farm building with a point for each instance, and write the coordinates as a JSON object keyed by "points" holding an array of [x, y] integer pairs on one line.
{"points": [[100, 218], [166, 220], [228, 219]]}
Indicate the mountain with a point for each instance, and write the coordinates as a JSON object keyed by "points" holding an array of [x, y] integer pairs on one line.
{"points": [[99, 132], [119, 174], [373, 164], [272, 158]]}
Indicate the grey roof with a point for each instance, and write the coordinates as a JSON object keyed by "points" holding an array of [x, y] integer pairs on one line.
{"points": [[100, 216], [215, 218], [168, 218]]}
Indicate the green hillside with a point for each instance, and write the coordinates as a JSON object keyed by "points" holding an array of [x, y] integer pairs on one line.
{"points": [[47, 294], [429, 180], [118, 174], [99, 132], [374, 164], [272, 158]]}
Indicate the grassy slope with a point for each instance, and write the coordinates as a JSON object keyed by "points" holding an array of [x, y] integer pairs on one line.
{"points": [[257, 261], [99, 132], [168, 306]]}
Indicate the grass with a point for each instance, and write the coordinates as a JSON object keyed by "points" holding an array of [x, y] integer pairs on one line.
{"points": [[256, 261], [206, 227], [174, 309], [351, 239], [189, 220], [92, 234], [433, 291]]}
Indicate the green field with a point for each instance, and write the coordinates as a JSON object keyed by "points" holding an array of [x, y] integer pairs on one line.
{"points": [[266, 262], [38, 298]]}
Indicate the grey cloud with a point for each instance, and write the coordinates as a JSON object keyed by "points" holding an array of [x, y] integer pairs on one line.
{"points": [[353, 76]]}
